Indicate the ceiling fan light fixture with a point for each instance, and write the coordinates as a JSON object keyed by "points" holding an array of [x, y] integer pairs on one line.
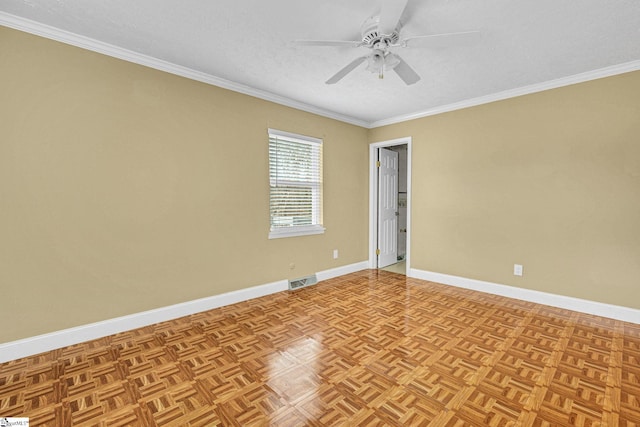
{"points": [[376, 61], [381, 61]]}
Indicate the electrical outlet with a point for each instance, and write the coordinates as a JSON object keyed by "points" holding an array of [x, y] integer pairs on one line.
{"points": [[335, 254], [292, 266], [517, 270]]}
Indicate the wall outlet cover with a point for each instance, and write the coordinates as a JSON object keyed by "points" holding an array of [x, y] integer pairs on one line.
{"points": [[517, 269]]}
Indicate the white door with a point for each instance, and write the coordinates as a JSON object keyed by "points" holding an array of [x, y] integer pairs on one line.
{"points": [[387, 207]]}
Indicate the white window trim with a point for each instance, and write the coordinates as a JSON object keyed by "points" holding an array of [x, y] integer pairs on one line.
{"points": [[295, 136], [298, 230]]}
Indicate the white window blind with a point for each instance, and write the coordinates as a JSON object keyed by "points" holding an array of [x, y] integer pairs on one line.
{"points": [[295, 181]]}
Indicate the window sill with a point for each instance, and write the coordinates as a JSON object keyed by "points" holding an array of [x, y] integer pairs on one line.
{"points": [[296, 231]]}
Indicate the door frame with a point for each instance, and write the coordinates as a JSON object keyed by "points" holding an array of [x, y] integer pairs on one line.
{"points": [[373, 199]]}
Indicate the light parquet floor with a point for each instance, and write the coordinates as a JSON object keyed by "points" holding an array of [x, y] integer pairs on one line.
{"points": [[371, 348]]}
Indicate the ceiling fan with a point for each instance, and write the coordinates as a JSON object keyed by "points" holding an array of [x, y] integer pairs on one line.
{"points": [[380, 34]]}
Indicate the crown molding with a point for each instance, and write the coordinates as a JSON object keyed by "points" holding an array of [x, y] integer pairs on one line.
{"points": [[87, 43], [512, 93]]}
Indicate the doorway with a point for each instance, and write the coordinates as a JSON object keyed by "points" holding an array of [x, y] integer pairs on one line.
{"points": [[390, 205]]}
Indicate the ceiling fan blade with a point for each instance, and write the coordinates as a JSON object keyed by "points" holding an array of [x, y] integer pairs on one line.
{"points": [[348, 43], [346, 70], [440, 40], [405, 72], [390, 14]]}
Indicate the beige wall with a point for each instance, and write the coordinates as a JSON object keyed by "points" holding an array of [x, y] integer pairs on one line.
{"points": [[124, 189], [549, 180]]}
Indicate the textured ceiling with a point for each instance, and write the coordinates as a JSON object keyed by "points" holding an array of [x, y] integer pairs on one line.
{"points": [[248, 43]]}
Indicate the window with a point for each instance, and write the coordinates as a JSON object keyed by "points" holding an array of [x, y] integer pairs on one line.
{"points": [[295, 181]]}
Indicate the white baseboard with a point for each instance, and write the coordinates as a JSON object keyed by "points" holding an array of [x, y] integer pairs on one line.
{"points": [[341, 271], [51, 341], [625, 314]]}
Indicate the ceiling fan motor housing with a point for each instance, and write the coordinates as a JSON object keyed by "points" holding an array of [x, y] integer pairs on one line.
{"points": [[371, 36]]}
